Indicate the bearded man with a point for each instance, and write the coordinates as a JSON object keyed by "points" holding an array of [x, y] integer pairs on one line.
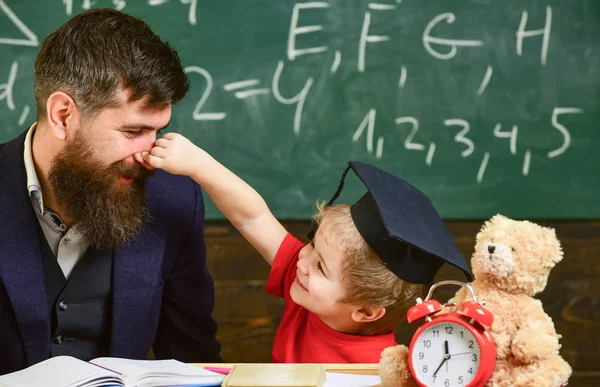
{"points": [[99, 255]]}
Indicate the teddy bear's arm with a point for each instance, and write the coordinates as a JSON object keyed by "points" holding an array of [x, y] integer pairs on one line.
{"points": [[394, 369], [458, 300], [536, 337]]}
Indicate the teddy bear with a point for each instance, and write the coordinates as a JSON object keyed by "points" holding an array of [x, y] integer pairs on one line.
{"points": [[511, 263]]}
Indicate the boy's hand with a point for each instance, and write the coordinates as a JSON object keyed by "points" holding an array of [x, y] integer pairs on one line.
{"points": [[175, 154], [138, 157]]}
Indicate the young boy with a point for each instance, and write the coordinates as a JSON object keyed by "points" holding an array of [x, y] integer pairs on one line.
{"points": [[345, 291]]}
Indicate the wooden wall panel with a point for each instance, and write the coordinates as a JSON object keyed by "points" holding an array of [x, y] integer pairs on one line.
{"points": [[248, 316]]}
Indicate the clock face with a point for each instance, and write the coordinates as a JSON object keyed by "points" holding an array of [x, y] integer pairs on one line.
{"points": [[446, 355]]}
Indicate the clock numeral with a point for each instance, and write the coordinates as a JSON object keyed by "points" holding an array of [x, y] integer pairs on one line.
{"points": [[427, 343], [436, 333], [474, 357], [424, 369], [471, 343], [449, 330], [462, 334], [460, 380], [447, 383], [471, 370], [421, 355]]}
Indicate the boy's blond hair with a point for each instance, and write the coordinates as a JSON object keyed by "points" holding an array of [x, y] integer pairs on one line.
{"points": [[366, 280]]}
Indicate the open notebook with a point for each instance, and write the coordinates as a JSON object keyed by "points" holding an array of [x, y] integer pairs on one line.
{"points": [[67, 371]]}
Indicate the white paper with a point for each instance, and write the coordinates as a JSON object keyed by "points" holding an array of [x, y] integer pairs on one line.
{"points": [[66, 371], [60, 371], [350, 380], [151, 373]]}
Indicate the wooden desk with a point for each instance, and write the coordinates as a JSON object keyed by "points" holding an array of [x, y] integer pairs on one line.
{"points": [[357, 369]]}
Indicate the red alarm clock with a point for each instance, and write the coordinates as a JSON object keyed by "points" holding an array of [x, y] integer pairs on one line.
{"points": [[451, 349]]}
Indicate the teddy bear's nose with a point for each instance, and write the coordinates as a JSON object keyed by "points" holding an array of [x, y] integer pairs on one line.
{"points": [[491, 249]]}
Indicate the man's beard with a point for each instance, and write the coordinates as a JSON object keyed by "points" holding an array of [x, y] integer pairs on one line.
{"points": [[107, 212]]}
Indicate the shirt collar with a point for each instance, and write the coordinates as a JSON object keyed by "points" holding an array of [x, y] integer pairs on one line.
{"points": [[33, 183]]}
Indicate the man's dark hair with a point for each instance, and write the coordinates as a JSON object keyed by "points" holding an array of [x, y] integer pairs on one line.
{"points": [[96, 52]]}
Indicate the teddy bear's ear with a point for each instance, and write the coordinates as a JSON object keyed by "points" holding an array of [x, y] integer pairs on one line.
{"points": [[499, 218], [489, 222], [557, 256], [496, 219]]}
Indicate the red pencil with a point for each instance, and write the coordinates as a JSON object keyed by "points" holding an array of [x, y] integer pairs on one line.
{"points": [[219, 370]]}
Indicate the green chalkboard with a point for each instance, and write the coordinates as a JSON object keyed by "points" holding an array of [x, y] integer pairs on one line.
{"points": [[487, 106]]}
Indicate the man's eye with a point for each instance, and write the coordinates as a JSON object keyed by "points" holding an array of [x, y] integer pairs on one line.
{"points": [[319, 267], [132, 133]]}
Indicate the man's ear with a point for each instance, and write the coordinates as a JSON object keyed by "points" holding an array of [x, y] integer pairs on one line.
{"points": [[367, 314], [62, 114]]}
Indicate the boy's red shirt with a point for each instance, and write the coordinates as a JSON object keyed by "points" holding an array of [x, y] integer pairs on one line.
{"points": [[302, 337]]}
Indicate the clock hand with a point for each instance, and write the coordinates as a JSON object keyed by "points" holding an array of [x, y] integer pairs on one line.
{"points": [[447, 354], [446, 357], [443, 361], [458, 354]]}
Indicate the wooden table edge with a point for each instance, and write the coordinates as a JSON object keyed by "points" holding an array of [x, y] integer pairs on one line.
{"points": [[357, 369]]}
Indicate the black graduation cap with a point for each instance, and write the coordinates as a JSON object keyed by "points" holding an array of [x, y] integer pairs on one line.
{"points": [[402, 226]]}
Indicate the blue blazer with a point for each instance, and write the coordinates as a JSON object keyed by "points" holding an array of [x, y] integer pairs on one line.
{"points": [[163, 294]]}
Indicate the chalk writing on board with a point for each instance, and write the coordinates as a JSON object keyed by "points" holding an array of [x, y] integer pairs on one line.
{"points": [[409, 143], [243, 94], [428, 40], [381, 7], [24, 115], [6, 89], [241, 84], [512, 135], [299, 99], [430, 153], [192, 12], [544, 32], [369, 123], [461, 137], [369, 130], [295, 30], [483, 166], [526, 162], [31, 40], [403, 75], [486, 80], [192, 19], [562, 129], [197, 115], [88, 4], [366, 38], [336, 62], [119, 4], [68, 7], [250, 93]]}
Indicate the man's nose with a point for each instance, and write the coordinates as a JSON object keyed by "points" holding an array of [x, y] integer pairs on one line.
{"points": [[146, 141], [143, 143]]}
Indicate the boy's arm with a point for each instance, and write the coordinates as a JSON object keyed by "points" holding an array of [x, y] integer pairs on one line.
{"points": [[242, 205], [239, 202]]}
